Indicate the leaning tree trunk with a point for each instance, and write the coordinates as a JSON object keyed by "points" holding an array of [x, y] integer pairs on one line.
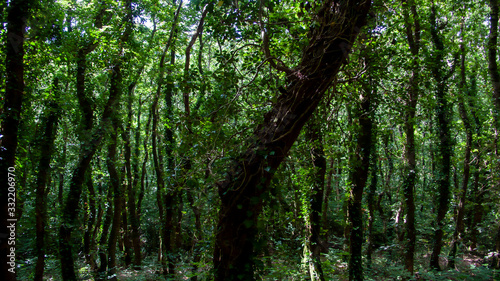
{"points": [[336, 28]]}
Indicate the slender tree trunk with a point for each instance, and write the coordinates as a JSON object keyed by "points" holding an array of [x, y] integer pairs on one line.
{"points": [[173, 199], [126, 238], [444, 145], [372, 190], [477, 192], [91, 139], [315, 138], [359, 166], [493, 67], [101, 271], [88, 242], [133, 176], [46, 147], [198, 232], [69, 210], [114, 177], [161, 200], [142, 190], [196, 251], [459, 228], [326, 198], [495, 81], [477, 212], [413, 36], [17, 13]]}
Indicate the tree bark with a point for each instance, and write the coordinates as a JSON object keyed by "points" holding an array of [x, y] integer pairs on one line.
{"points": [[493, 67], [17, 13], [47, 148], [459, 228], [495, 81], [413, 36], [359, 168], [161, 197], [88, 242], [315, 138], [101, 271], [372, 190], [248, 178], [70, 210], [133, 175], [115, 183], [444, 151]]}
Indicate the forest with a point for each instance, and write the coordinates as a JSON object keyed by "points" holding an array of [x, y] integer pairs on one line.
{"points": [[249, 140]]}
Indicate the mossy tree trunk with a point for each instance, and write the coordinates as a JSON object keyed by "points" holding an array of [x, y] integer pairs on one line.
{"points": [[249, 176]]}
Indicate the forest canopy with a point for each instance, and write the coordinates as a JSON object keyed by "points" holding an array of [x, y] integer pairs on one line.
{"points": [[249, 140]]}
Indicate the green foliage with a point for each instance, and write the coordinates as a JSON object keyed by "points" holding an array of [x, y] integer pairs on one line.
{"points": [[230, 86]]}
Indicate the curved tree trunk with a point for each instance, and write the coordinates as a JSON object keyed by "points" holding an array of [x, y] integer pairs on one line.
{"points": [[249, 177], [46, 148]]}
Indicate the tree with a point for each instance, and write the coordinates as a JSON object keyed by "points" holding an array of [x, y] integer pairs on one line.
{"points": [[315, 137], [249, 176], [359, 163], [444, 145], [412, 29], [17, 14], [47, 145]]}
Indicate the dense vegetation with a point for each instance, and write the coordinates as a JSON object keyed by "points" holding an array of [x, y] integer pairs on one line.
{"points": [[250, 140]]}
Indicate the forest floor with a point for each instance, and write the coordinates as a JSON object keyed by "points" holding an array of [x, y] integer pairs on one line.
{"points": [[469, 266]]}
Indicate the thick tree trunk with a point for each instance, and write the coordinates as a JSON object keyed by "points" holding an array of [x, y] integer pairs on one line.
{"points": [[17, 13], [46, 147], [336, 28]]}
